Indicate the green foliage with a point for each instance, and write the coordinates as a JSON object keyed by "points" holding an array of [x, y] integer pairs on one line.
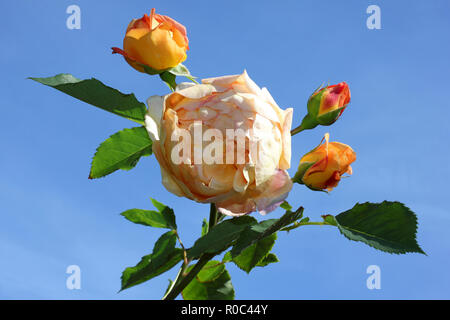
{"points": [[296, 224], [286, 206], [205, 227], [169, 75], [163, 218], [218, 286], [181, 70], [386, 226], [99, 95], [329, 219], [164, 257], [270, 258], [166, 212], [169, 79], [254, 254], [122, 150], [220, 237], [256, 232], [211, 271]]}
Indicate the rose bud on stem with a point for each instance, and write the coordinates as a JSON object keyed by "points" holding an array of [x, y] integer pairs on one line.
{"points": [[325, 106], [154, 43], [322, 167]]}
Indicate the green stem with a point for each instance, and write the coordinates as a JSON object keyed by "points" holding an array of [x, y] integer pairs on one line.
{"points": [[315, 224], [179, 274], [182, 279], [297, 130], [312, 223]]}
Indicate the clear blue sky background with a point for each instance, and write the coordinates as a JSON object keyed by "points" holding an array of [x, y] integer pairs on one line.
{"points": [[52, 216]]}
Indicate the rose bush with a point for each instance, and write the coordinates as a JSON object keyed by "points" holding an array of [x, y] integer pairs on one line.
{"points": [[236, 173]]}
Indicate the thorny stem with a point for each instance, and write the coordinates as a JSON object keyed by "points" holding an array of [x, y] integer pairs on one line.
{"points": [[182, 246], [182, 279], [312, 223]]}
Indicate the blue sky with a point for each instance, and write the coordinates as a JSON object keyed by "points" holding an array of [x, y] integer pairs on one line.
{"points": [[397, 122]]}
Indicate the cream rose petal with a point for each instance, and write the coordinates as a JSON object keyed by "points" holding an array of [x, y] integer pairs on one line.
{"points": [[197, 92], [285, 160], [276, 192], [154, 116]]}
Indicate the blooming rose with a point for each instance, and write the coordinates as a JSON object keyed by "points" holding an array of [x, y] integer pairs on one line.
{"points": [[229, 102], [322, 167], [326, 105], [158, 42]]}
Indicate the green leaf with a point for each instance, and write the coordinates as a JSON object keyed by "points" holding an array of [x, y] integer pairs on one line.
{"points": [[220, 237], [251, 256], [164, 257], [211, 271], [270, 258], [163, 218], [386, 226], [166, 212], [122, 150], [149, 70], [286, 206], [328, 218], [169, 79], [205, 227], [220, 288], [147, 218], [255, 232], [99, 95], [227, 257]]}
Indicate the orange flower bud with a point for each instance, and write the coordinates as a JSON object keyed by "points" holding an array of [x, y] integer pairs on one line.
{"points": [[154, 41], [322, 167], [326, 105]]}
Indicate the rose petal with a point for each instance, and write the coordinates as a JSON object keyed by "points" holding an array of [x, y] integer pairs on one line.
{"points": [[154, 116]]}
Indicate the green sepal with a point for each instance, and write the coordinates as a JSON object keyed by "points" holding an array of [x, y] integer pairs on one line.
{"points": [[302, 168], [329, 118], [309, 122], [169, 75], [169, 79], [313, 104]]}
